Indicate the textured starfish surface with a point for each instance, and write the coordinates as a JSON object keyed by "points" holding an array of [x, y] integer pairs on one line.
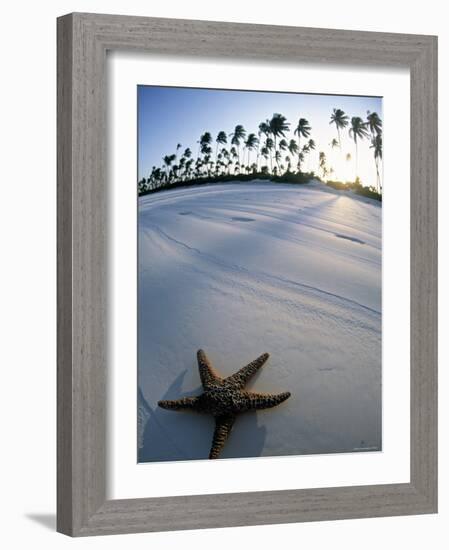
{"points": [[225, 398]]}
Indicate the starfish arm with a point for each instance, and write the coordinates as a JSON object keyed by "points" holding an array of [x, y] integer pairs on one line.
{"points": [[223, 427], [208, 374], [179, 404], [255, 401], [241, 377]]}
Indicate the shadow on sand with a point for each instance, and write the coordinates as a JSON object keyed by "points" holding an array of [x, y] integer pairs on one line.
{"points": [[174, 435]]}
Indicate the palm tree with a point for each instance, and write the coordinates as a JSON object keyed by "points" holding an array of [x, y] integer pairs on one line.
{"points": [[302, 129], [250, 144], [197, 171], [278, 126], [206, 150], [205, 139], [265, 153], [188, 170], [208, 162], [341, 120], [269, 144], [220, 139], [182, 165], [229, 165], [278, 158], [183, 161], [376, 144], [312, 146], [334, 143], [305, 151], [142, 186], [238, 134], [300, 160], [357, 131], [264, 128], [259, 133], [322, 159], [178, 146], [168, 159], [151, 179], [156, 176], [226, 155], [293, 147], [234, 155], [374, 123]]}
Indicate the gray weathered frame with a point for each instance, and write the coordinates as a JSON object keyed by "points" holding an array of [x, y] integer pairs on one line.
{"points": [[83, 40]]}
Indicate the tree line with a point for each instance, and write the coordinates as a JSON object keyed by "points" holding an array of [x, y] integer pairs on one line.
{"points": [[272, 151]]}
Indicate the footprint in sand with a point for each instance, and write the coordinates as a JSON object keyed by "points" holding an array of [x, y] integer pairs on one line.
{"points": [[186, 213], [241, 219], [348, 238]]}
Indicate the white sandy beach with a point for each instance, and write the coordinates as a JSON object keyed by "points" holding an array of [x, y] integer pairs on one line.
{"points": [[242, 269]]}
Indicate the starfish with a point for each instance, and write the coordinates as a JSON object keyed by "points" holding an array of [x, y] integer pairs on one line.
{"points": [[225, 398]]}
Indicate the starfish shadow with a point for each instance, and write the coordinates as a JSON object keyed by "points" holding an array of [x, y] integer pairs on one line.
{"points": [[169, 436]]}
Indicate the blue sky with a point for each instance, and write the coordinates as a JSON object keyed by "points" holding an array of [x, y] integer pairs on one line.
{"points": [[168, 116]]}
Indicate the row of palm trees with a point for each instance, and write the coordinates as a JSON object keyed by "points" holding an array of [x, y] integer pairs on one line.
{"points": [[359, 129], [268, 152]]}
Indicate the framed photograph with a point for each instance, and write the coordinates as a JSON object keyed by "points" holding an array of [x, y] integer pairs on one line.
{"points": [[247, 274]]}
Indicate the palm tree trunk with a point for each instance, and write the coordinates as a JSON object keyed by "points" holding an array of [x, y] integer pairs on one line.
{"points": [[299, 151], [339, 144], [378, 176], [257, 158]]}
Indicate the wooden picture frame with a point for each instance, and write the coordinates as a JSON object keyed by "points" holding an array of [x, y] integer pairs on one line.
{"points": [[83, 40]]}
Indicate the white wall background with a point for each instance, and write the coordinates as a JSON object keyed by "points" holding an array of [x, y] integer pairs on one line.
{"points": [[27, 273]]}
